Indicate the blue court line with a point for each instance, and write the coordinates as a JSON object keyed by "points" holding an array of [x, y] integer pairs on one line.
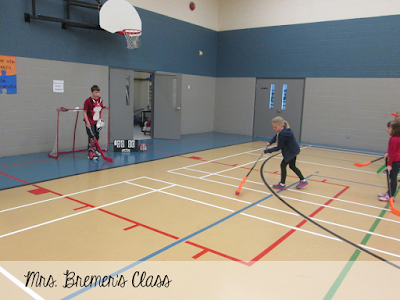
{"points": [[73, 295]]}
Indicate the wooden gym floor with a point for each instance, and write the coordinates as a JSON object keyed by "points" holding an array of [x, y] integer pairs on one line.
{"points": [[173, 228]]}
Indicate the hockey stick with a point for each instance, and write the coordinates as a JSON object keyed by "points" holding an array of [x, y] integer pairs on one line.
{"points": [[99, 148], [381, 168], [244, 179], [392, 208], [367, 163]]}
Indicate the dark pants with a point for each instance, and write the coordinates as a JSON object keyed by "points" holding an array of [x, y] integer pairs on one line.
{"points": [[95, 132], [292, 165], [91, 145], [393, 178]]}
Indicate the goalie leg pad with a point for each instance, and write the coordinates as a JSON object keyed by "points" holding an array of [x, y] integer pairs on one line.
{"points": [[92, 148]]}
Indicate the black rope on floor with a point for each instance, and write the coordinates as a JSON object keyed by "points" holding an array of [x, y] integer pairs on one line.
{"points": [[317, 224]]}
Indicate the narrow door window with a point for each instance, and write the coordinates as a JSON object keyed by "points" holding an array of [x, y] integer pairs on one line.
{"points": [[272, 96], [284, 91]]}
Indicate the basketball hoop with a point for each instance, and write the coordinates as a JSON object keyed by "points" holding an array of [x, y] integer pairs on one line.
{"points": [[132, 37]]}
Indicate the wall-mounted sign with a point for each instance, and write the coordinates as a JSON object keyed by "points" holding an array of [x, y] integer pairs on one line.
{"points": [[58, 86], [8, 74]]}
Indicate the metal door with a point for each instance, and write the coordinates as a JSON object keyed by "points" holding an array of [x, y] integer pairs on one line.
{"points": [[121, 104], [167, 106], [278, 97]]}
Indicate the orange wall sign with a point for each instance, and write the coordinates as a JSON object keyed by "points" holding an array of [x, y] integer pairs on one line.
{"points": [[8, 74]]}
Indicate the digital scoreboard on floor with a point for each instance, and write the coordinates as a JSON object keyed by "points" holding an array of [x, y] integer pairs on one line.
{"points": [[126, 146]]}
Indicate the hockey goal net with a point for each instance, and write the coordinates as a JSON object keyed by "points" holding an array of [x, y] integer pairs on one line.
{"points": [[71, 133]]}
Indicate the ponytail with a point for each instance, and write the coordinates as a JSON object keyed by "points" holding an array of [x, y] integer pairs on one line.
{"points": [[286, 124]]}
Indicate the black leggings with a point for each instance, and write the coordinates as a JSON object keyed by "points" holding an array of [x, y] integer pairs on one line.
{"points": [[292, 165], [393, 177]]}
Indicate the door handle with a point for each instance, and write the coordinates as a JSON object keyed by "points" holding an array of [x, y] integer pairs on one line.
{"points": [[178, 108]]}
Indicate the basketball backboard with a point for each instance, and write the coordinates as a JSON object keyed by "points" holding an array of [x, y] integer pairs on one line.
{"points": [[119, 15]]}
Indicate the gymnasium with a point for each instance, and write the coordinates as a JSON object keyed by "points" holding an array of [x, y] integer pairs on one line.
{"points": [[179, 203]]}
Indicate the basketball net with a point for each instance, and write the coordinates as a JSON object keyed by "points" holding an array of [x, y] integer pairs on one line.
{"points": [[132, 37]]}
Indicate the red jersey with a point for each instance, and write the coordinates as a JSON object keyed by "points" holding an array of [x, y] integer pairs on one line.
{"points": [[393, 150], [93, 108]]}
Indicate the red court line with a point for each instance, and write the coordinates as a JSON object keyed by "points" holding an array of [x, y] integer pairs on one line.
{"points": [[140, 224], [290, 232], [127, 228], [200, 254], [82, 207], [12, 177], [206, 249]]}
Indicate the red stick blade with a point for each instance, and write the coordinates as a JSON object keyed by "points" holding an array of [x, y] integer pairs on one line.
{"points": [[362, 165], [240, 186], [108, 159], [392, 208]]}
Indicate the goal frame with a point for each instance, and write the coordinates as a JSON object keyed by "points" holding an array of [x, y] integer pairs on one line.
{"points": [[74, 148]]}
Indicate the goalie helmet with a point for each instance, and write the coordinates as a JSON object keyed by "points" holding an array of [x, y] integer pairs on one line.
{"points": [[142, 147]]}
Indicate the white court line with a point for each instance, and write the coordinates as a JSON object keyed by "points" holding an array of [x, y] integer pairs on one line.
{"points": [[20, 284], [236, 167], [91, 209], [174, 195], [250, 152], [320, 196], [302, 192], [73, 215], [292, 190], [357, 229], [344, 151], [191, 188], [209, 161], [247, 152], [331, 223], [282, 211], [244, 214], [381, 251], [219, 182], [341, 209], [294, 228], [59, 197], [341, 200], [336, 167], [368, 232]]}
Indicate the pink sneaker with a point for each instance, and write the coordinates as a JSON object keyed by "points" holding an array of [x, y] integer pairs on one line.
{"points": [[382, 194], [279, 186], [301, 184], [384, 198]]}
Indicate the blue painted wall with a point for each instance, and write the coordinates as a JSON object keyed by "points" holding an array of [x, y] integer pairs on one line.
{"points": [[356, 48], [367, 47], [167, 44]]}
